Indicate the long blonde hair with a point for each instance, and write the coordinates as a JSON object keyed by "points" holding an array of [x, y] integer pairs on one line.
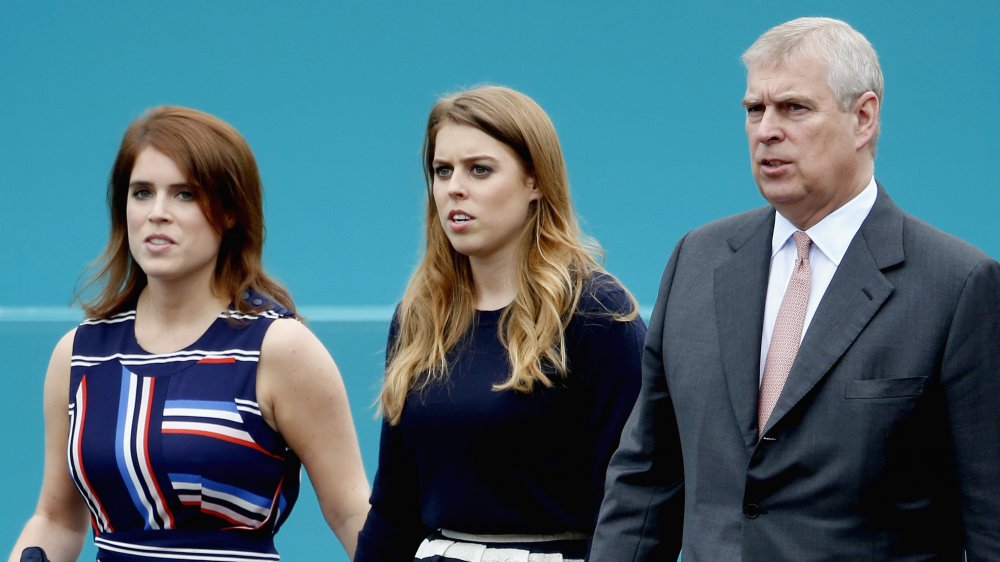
{"points": [[438, 306]]}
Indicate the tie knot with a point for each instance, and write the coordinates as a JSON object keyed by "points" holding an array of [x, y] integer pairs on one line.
{"points": [[802, 242]]}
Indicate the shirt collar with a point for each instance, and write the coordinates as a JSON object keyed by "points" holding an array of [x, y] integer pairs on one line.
{"points": [[834, 233]]}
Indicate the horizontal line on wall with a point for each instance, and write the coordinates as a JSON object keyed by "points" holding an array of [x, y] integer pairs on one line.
{"points": [[347, 313]]}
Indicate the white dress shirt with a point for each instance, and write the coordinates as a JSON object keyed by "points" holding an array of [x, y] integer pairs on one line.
{"points": [[830, 239]]}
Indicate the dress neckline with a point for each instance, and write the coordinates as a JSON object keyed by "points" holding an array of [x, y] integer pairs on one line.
{"points": [[196, 344], [489, 317]]}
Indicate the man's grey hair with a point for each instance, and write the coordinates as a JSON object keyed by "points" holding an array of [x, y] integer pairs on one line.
{"points": [[853, 67]]}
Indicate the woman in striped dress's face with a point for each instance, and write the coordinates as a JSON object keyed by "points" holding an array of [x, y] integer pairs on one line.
{"points": [[169, 235]]}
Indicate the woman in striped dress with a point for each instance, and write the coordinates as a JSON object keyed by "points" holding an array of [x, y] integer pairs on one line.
{"points": [[194, 395]]}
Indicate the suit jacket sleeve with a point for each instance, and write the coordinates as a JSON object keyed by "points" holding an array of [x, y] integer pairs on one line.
{"points": [[641, 517], [970, 376]]}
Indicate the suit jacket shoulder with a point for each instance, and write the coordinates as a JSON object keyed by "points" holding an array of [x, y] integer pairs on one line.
{"points": [[947, 250], [898, 240], [734, 229]]}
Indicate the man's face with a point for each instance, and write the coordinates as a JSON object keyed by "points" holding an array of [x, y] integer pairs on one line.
{"points": [[804, 150]]}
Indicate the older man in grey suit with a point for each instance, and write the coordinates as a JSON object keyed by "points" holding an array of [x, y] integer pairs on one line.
{"points": [[821, 376]]}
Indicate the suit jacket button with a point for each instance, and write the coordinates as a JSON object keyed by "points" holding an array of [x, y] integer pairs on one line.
{"points": [[751, 510]]}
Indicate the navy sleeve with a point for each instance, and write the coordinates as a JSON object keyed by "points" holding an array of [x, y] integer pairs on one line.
{"points": [[606, 360], [394, 529]]}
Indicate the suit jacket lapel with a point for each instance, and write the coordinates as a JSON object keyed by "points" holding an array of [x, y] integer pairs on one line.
{"points": [[856, 292], [740, 286]]}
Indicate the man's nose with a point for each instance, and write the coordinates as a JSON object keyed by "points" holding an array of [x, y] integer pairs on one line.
{"points": [[769, 128]]}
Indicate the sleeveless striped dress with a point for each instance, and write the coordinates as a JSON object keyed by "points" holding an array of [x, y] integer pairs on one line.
{"points": [[170, 450]]}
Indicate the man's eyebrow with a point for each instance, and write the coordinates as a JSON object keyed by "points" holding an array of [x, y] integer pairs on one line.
{"points": [[785, 97]]}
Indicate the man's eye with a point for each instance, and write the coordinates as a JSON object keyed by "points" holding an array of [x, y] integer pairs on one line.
{"points": [[754, 109], [442, 171], [796, 107], [479, 170]]}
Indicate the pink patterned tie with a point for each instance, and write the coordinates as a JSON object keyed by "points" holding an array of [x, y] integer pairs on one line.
{"points": [[787, 332]]}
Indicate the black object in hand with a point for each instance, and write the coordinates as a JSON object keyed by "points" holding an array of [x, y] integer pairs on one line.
{"points": [[33, 554]]}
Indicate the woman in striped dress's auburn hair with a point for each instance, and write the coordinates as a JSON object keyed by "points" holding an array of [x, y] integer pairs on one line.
{"points": [[189, 398]]}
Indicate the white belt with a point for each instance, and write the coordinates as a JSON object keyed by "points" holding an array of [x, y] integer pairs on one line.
{"points": [[469, 537]]}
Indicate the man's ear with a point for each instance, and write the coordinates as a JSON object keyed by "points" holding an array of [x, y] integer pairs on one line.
{"points": [[866, 111]]}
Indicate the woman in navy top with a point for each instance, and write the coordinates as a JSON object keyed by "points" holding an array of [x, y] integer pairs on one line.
{"points": [[513, 360], [188, 400]]}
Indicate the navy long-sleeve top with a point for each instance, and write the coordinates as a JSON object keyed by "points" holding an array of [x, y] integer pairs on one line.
{"points": [[467, 458]]}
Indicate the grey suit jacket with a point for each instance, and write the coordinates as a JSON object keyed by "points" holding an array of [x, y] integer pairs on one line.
{"points": [[885, 442]]}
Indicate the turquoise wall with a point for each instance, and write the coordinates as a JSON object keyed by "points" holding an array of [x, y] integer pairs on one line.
{"points": [[333, 96]]}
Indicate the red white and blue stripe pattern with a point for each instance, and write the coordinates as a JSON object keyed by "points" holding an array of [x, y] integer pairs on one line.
{"points": [[170, 451], [214, 420], [132, 450], [235, 505], [77, 418], [199, 355]]}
